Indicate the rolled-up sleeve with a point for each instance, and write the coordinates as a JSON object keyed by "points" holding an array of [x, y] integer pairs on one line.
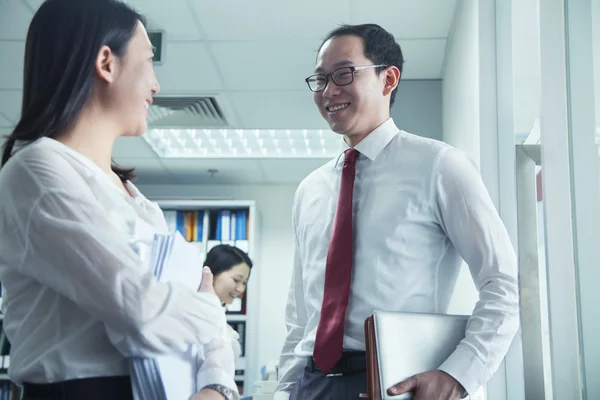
{"points": [[467, 214], [218, 365]]}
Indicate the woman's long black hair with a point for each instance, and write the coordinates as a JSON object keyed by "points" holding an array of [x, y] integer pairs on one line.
{"points": [[63, 42]]}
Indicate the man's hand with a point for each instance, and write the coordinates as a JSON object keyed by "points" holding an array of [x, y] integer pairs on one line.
{"points": [[208, 394], [432, 385]]}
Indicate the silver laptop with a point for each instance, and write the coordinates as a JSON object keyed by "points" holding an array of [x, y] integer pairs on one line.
{"points": [[407, 344]]}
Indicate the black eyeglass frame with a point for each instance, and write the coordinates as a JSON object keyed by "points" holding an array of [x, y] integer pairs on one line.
{"points": [[328, 76]]}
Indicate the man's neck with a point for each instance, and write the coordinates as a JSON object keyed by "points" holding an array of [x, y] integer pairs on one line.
{"points": [[354, 139]]}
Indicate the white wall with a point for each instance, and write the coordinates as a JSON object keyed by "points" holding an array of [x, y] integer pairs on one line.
{"points": [[418, 108], [471, 123], [596, 50], [460, 114], [526, 66], [460, 91], [273, 262]]}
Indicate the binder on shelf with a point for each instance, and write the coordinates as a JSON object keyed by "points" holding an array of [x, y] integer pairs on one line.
{"points": [[189, 223], [206, 224], [169, 377], [241, 225], [231, 225]]}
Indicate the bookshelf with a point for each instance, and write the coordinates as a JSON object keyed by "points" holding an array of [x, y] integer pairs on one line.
{"points": [[208, 223]]}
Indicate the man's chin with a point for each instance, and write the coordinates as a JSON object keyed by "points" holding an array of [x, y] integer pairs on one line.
{"points": [[338, 128]]}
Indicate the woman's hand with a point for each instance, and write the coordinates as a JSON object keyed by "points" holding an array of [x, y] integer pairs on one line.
{"points": [[206, 285], [208, 394]]}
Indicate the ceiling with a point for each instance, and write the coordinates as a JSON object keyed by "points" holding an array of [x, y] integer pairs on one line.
{"points": [[252, 56]]}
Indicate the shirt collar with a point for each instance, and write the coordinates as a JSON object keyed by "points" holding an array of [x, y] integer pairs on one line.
{"points": [[375, 141]]}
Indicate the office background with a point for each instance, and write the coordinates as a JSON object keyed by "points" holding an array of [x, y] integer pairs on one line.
{"points": [[480, 75]]}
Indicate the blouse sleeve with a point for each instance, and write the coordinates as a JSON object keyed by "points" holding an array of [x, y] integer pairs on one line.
{"points": [[74, 249]]}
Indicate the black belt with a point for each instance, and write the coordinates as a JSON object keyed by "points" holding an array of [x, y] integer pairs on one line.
{"points": [[352, 362], [113, 387]]}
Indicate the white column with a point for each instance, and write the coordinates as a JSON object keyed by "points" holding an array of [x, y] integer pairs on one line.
{"points": [[560, 257], [586, 185]]}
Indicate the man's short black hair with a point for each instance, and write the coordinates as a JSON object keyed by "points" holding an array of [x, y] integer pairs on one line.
{"points": [[380, 46]]}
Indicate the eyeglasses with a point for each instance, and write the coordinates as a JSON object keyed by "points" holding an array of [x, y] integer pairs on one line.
{"points": [[341, 77]]}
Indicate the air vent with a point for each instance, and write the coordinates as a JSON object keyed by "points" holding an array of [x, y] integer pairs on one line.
{"points": [[186, 112], [156, 38]]}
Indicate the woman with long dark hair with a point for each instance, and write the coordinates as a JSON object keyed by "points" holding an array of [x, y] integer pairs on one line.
{"points": [[78, 296]]}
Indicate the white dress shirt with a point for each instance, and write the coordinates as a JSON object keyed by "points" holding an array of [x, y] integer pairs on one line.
{"points": [[78, 297], [419, 206]]}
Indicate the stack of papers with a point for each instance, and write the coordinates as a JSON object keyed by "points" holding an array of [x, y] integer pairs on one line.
{"points": [[170, 377]]}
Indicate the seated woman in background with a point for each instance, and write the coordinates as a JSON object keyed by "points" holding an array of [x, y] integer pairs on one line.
{"points": [[230, 267]]}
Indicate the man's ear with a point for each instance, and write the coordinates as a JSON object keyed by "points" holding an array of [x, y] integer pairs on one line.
{"points": [[392, 78], [106, 64]]}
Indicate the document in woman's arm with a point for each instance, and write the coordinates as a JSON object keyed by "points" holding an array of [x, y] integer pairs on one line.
{"points": [[170, 377]]}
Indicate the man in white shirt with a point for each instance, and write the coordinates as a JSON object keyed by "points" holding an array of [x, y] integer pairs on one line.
{"points": [[387, 227]]}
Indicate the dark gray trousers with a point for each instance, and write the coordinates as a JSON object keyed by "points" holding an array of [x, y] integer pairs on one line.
{"points": [[314, 385]]}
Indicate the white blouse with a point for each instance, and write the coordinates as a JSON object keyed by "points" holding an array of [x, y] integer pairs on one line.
{"points": [[77, 296]]}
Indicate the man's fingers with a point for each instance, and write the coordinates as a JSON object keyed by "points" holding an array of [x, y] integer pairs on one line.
{"points": [[406, 386]]}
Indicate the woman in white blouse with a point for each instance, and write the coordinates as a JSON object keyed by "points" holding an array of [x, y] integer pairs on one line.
{"points": [[78, 298], [230, 268]]}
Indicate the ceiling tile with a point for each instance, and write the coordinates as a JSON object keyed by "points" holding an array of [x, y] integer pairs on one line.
{"points": [[277, 110], [423, 58], [132, 147], [407, 18], [10, 104], [175, 18], [11, 64], [187, 68], [265, 73], [287, 170], [268, 20], [230, 171], [14, 20]]}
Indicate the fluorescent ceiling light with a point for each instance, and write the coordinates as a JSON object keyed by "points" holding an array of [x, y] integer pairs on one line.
{"points": [[244, 143]]}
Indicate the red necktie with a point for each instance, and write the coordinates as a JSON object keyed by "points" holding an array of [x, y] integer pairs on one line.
{"points": [[338, 271]]}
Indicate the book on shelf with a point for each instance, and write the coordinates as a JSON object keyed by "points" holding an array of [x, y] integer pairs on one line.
{"points": [[4, 350], [218, 225], [189, 223], [232, 225], [9, 391]]}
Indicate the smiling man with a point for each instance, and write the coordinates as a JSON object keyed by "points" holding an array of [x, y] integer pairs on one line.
{"points": [[385, 226]]}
